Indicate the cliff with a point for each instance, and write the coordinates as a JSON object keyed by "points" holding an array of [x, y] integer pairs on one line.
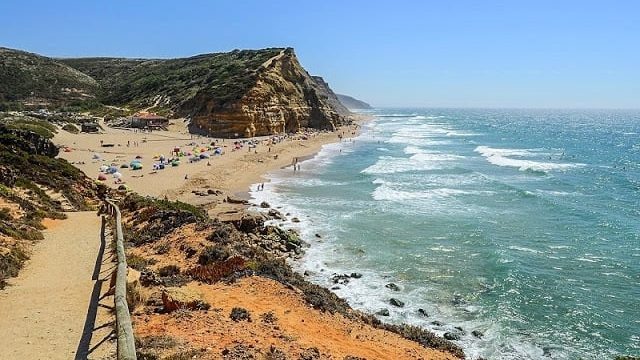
{"points": [[284, 98], [353, 103], [237, 93]]}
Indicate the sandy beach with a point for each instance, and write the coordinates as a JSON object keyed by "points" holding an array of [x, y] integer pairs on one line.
{"points": [[207, 182]]}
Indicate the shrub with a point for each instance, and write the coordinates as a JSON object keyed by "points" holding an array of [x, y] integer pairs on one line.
{"points": [[212, 254], [169, 270], [240, 314], [215, 272], [71, 128]]}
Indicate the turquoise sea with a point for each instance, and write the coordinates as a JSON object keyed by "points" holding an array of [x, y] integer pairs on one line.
{"points": [[521, 224]]}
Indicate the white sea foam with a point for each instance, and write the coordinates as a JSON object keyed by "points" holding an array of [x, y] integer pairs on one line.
{"points": [[391, 165], [505, 157], [387, 192]]}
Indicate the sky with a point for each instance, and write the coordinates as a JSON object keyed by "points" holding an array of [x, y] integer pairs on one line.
{"points": [[489, 53]]}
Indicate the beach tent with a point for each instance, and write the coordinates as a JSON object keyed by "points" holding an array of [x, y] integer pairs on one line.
{"points": [[136, 166], [112, 170], [103, 168], [117, 175], [102, 177]]}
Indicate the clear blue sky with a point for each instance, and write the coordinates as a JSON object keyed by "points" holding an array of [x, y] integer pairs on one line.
{"points": [[482, 53]]}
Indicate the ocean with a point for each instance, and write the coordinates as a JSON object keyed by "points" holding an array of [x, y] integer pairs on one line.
{"points": [[521, 225]]}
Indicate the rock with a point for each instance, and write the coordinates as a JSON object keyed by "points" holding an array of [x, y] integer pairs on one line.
{"points": [[275, 214], [318, 236], [451, 336], [423, 312], [477, 333], [249, 222], [383, 312], [351, 357], [310, 354], [295, 220], [396, 302], [437, 323], [214, 192], [356, 275], [340, 279], [231, 200], [335, 288], [174, 298], [392, 286], [265, 205]]}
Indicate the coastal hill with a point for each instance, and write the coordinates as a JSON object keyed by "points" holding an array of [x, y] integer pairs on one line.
{"points": [[231, 94], [37, 80], [353, 103]]}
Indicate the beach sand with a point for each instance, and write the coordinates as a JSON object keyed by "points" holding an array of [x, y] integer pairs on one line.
{"points": [[232, 173]]}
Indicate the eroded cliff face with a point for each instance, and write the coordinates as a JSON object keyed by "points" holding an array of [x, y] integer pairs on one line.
{"points": [[285, 98]]}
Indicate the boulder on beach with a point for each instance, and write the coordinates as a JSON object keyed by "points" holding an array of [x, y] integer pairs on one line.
{"points": [[396, 302]]}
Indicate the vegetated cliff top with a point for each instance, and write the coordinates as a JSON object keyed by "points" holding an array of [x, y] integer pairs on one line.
{"points": [[172, 84], [353, 103], [30, 77]]}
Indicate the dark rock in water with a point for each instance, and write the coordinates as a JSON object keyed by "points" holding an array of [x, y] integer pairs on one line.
{"points": [[437, 323], [275, 214], [288, 214], [392, 286], [477, 333], [451, 336], [423, 312], [335, 288], [458, 300], [459, 328], [396, 302], [306, 273], [383, 312], [340, 279], [265, 205], [295, 220], [546, 352], [318, 236], [356, 275]]}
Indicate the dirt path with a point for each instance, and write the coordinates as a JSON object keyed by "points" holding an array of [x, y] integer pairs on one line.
{"points": [[47, 308]]}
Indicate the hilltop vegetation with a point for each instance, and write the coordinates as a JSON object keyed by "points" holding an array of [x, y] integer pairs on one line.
{"points": [[173, 84], [31, 78]]}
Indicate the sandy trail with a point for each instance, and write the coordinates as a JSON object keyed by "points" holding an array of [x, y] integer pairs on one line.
{"points": [[43, 312]]}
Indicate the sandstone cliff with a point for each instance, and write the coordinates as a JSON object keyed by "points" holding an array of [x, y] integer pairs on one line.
{"points": [[284, 98]]}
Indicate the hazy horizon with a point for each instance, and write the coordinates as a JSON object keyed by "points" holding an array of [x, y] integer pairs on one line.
{"points": [[534, 55]]}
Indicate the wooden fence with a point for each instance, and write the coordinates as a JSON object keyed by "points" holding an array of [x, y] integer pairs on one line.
{"points": [[124, 330]]}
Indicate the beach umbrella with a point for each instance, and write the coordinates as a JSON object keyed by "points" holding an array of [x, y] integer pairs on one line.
{"points": [[136, 166], [117, 175], [204, 156], [102, 177], [123, 187], [175, 163], [112, 170], [103, 168]]}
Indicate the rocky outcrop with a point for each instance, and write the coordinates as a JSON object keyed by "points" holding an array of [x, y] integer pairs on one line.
{"points": [[182, 298], [285, 98]]}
